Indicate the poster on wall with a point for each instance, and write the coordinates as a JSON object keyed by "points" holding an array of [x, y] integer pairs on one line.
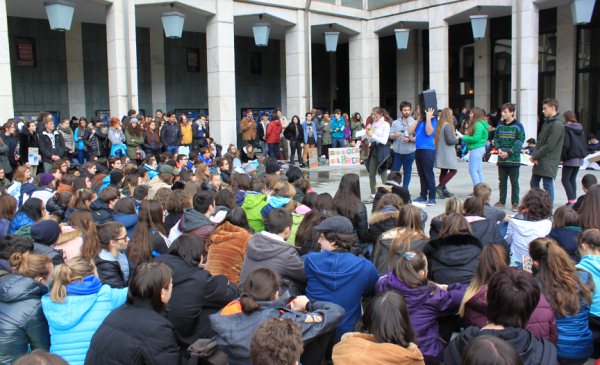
{"points": [[347, 156], [25, 51], [33, 116], [104, 116]]}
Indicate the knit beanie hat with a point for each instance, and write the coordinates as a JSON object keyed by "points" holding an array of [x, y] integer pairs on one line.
{"points": [[116, 177], [45, 232], [46, 178]]}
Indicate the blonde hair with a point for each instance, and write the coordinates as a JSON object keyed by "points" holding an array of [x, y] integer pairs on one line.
{"points": [[31, 265], [76, 269]]}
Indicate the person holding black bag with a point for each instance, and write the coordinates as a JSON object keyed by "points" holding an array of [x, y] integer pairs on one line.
{"points": [[573, 152]]}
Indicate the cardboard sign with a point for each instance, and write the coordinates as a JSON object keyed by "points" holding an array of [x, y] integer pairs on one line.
{"points": [[347, 156], [33, 156], [313, 157]]}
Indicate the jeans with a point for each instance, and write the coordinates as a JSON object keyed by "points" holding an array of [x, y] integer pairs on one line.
{"points": [[325, 149], [569, 181], [274, 150], [548, 184], [404, 161], [319, 145], [373, 174], [425, 160], [338, 143], [295, 148], [475, 161], [81, 157], [172, 149], [512, 173], [263, 147]]}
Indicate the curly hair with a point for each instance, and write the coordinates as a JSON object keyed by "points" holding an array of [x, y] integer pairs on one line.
{"points": [[535, 205]]}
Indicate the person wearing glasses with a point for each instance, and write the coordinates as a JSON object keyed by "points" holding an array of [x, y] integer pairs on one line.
{"points": [[106, 247]]}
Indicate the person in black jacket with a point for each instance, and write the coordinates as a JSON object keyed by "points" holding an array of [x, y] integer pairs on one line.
{"points": [[454, 257], [28, 139], [95, 138], [485, 230], [52, 145], [103, 206], [295, 134], [199, 133], [348, 204], [196, 293], [170, 134], [138, 332], [23, 326], [573, 152]]}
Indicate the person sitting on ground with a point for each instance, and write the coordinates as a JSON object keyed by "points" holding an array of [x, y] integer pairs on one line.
{"points": [[105, 244], [453, 257], [262, 298], [494, 258], [45, 234], [385, 215], [512, 296], [407, 236], [386, 335], [565, 229], [283, 197], [484, 192], [426, 301], [30, 212], [337, 275], [277, 342], [587, 181], [453, 205], [484, 229], [40, 356], [10, 244], [307, 238], [393, 185], [589, 215], [487, 349], [196, 221], [589, 246], [124, 212], [102, 208], [269, 249], [253, 203]]}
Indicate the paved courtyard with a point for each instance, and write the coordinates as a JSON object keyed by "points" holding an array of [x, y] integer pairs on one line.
{"points": [[326, 179]]}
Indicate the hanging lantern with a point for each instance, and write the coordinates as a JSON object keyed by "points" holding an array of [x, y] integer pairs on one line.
{"points": [[173, 24], [261, 34], [402, 38], [582, 10], [478, 24], [331, 41], [60, 14]]}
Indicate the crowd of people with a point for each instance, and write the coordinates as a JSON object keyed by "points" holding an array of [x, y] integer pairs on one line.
{"points": [[144, 241]]}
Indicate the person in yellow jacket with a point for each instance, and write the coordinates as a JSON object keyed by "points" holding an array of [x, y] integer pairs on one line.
{"points": [[186, 131]]}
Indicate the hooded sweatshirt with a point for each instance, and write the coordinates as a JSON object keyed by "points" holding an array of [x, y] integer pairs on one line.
{"points": [[591, 264], [252, 206], [128, 220], [264, 250], [520, 233], [74, 322], [196, 223], [362, 348], [533, 351], [341, 278]]}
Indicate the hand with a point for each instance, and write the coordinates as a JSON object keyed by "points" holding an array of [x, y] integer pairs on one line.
{"points": [[27, 164], [429, 113], [503, 154], [406, 139], [299, 304], [442, 286], [54, 158]]}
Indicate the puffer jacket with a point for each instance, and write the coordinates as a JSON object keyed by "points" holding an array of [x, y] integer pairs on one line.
{"points": [[74, 322], [20, 220], [542, 323], [252, 206], [23, 326], [382, 221], [226, 247], [382, 250], [521, 232], [486, 231], [101, 212], [591, 264], [453, 259], [234, 328], [362, 348], [96, 141], [567, 239]]}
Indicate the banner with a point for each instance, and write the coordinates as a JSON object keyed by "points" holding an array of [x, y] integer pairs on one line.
{"points": [[347, 156]]}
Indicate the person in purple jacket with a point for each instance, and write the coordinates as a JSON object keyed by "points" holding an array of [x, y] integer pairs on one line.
{"points": [[426, 301]]}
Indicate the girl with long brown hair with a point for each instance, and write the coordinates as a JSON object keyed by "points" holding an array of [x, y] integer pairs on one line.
{"points": [[150, 238], [589, 214], [569, 292], [445, 155], [476, 138]]}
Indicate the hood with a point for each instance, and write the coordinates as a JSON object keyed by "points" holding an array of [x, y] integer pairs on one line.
{"points": [[66, 315], [228, 231], [362, 348], [67, 234], [303, 209], [454, 250], [15, 288], [531, 228], [414, 297], [253, 201], [334, 269], [193, 219], [576, 128], [522, 340], [99, 205], [128, 220], [262, 247], [279, 201]]}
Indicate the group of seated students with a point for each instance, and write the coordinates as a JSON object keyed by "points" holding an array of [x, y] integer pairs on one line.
{"points": [[264, 270]]}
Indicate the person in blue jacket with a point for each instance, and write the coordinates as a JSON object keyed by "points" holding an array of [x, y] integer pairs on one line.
{"points": [[338, 124], [589, 246], [337, 275], [76, 306]]}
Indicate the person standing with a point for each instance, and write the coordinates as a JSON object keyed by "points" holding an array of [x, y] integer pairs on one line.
{"points": [[546, 154], [476, 137], [134, 138], [79, 136], [186, 132], [316, 118], [11, 139], [404, 145], [64, 128], [295, 134], [379, 153], [248, 129], [28, 138], [199, 134], [327, 138], [425, 155], [170, 134], [338, 124], [508, 140], [309, 127], [261, 132], [52, 146], [95, 139], [273, 137], [445, 157], [573, 152]]}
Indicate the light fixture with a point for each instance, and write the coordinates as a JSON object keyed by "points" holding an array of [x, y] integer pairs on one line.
{"points": [[402, 37], [173, 23], [478, 24], [261, 33], [60, 14], [331, 40], [582, 10]]}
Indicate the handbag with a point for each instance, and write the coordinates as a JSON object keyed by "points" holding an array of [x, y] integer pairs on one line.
{"points": [[206, 351]]}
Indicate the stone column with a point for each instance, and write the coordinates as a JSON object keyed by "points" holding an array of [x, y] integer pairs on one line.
{"points": [[296, 68], [6, 94], [122, 57], [221, 74], [75, 79], [364, 70], [438, 59], [483, 73], [407, 71], [566, 47], [525, 38], [157, 69]]}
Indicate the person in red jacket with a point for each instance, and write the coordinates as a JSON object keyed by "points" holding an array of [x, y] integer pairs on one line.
{"points": [[273, 137]]}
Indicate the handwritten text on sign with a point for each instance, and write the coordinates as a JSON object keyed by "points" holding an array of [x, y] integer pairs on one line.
{"points": [[344, 156]]}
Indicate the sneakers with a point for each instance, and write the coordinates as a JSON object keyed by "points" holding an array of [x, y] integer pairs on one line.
{"points": [[499, 205], [515, 208], [420, 200], [439, 192], [431, 202], [447, 194]]}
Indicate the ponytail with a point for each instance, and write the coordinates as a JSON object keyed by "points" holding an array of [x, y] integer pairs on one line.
{"points": [[31, 265], [76, 269], [249, 304], [91, 245], [99, 237], [80, 197], [408, 267], [261, 285]]}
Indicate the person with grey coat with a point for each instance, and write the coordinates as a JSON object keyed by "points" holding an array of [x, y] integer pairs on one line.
{"points": [[4, 161], [445, 155]]}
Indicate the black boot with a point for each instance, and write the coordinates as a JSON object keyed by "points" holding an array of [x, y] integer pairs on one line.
{"points": [[447, 194], [439, 192]]}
